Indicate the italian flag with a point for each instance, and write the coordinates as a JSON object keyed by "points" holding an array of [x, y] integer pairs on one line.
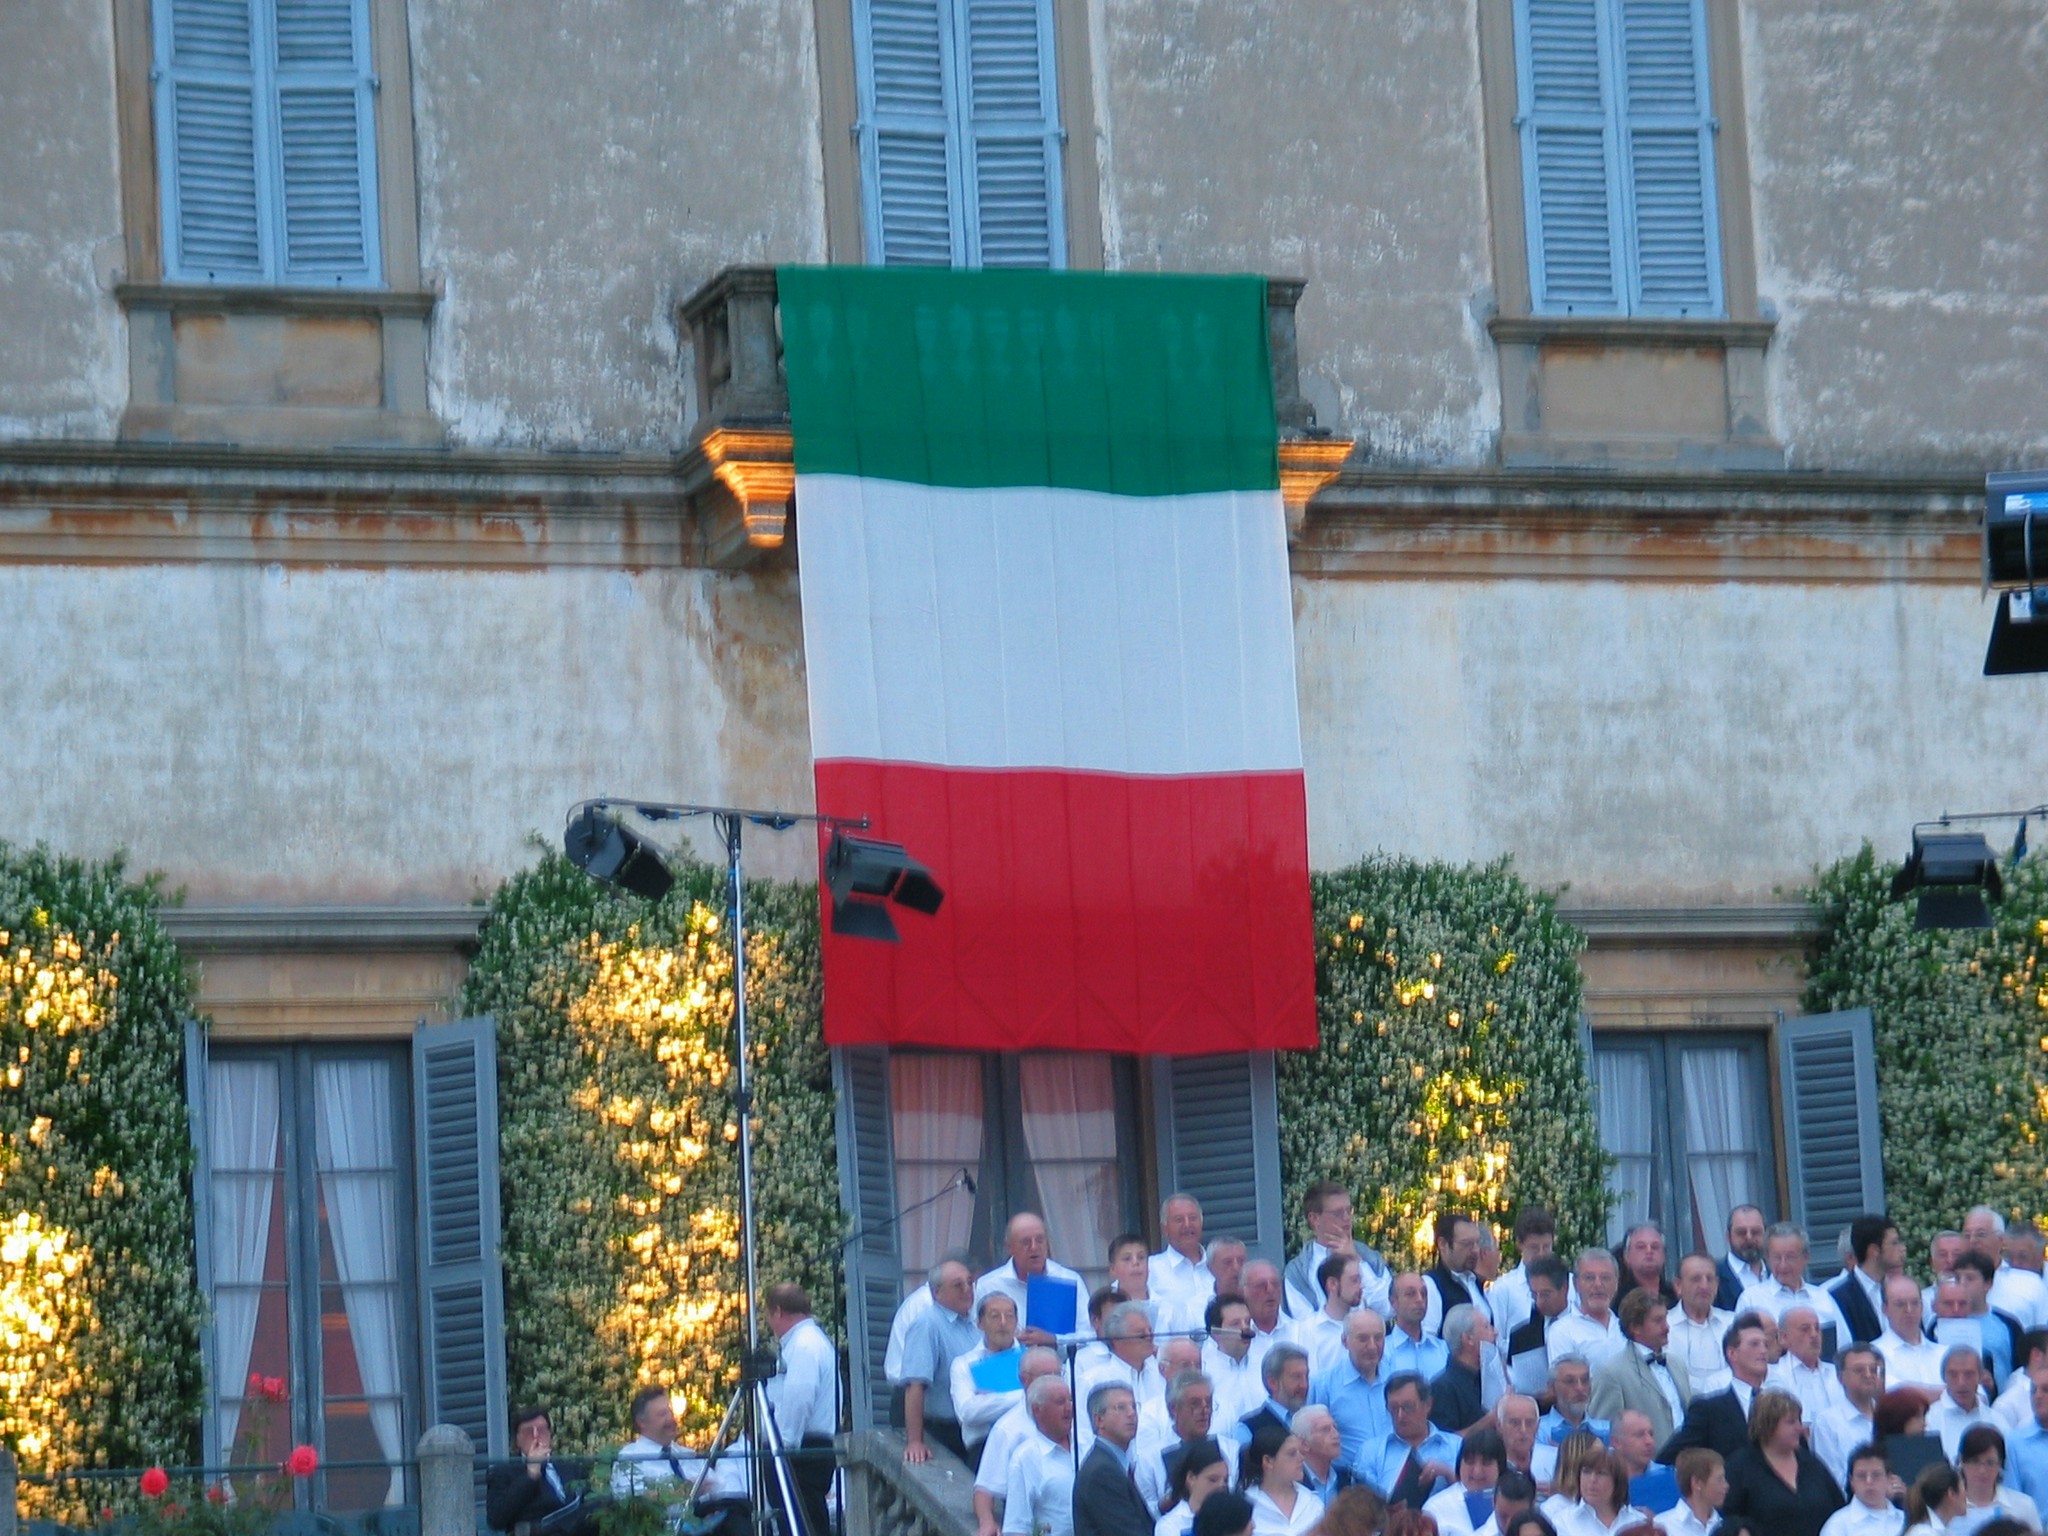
{"points": [[1050, 642]]}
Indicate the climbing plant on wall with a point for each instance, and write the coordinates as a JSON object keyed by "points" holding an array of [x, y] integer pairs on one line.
{"points": [[1450, 1074], [617, 1136], [99, 1306], [1961, 1022]]}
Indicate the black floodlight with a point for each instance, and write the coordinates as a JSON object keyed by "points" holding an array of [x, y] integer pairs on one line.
{"points": [[603, 848], [2016, 566], [1953, 872], [864, 875]]}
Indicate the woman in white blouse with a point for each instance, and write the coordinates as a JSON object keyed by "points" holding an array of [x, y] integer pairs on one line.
{"points": [[1200, 1472], [1578, 1447], [1980, 1458], [1271, 1478], [1603, 1508]]}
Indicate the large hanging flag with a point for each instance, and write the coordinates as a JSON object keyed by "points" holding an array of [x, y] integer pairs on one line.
{"points": [[1050, 641]]}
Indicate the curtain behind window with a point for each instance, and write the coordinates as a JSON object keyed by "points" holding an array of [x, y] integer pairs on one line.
{"points": [[1068, 1104], [1721, 1154], [1627, 1130], [241, 1111], [936, 1102]]}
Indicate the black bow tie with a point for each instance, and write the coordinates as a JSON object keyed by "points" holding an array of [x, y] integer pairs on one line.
{"points": [[1657, 1358]]}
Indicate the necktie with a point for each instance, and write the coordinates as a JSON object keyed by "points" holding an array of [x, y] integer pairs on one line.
{"points": [[669, 1455], [1656, 1357]]}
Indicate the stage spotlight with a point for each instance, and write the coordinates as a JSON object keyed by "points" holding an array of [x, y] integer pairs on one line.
{"points": [[603, 848], [1953, 872], [864, 875]]}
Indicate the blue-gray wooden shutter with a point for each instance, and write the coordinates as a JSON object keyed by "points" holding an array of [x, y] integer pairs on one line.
{"points": [[462, 1298], [1015, 213], [1216, 1123], [911, 203], [1674, 264], [326, 142], [1827, 1079], [267, 147], [1570, 165], [208, 111], [202, 1235], [867, 1187]]}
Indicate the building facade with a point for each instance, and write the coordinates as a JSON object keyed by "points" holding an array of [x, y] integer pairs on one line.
{"points": [[389, 457]]}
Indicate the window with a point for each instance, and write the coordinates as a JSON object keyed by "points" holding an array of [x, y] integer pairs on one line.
{"points": [[1617, 135], [266, 142], [308, 1211], [959, 133], [1687, 1117], [1046, 1132]]}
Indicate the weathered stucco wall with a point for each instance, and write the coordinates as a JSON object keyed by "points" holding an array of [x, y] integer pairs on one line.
{"points": [[62, 352], [583, 167], [1341, 148], [264, 734], [1901, 191], [290, 735], [1648, 742]]}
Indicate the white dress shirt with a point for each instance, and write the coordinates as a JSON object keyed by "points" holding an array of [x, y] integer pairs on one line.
{"points": [[2022, 1293], [1006, 1437], [915, 1305], [1144, 1381], [1856, 1518], [1041, 1501], [1447, 1508], [644, 1467], [1777, 1299], [1238, 1386], [1816, 1386], [1433, 1311], [1511, 1300], [1004, 1278], [1914, 1365], [1320, 1336], [976, 1409], [1699, 1346], [1182, 1287], [1583, 1520], [1951, 1423], [805, 1391], [1835, 1435], [1177, 1521], [1661, 1378], [1269, 1520], [1679, 1520], [2016, 1404], [1577, 1333]]}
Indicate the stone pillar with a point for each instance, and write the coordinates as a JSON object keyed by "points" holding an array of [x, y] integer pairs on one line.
{"points": [[447, 1483]]}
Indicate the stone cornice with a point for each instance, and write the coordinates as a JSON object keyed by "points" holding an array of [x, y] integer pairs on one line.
{"points": [[223, 929], [1778, 923]]}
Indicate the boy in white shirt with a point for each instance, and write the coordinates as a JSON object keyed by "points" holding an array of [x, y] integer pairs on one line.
{"points": [[1869, 1511]]}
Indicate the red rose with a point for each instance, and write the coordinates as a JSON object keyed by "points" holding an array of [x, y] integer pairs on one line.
{"points": [[216, 1494], [273, 1388], [155, 1482], [304, 1461], [255, 1383]]}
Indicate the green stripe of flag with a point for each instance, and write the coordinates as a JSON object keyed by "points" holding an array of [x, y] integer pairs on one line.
{"points": [[1132, 383]]}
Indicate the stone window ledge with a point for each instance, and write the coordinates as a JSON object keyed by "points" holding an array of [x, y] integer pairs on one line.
{"points": [[1628, 331]]}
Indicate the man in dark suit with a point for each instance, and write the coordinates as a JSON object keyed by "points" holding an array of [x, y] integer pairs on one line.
{"points": [[1106, 1497], [1743, 1264], [539, 1492], [1719, 1421], [1875, 1250]]}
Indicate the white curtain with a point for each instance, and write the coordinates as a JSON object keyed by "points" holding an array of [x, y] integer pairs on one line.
{"points": [[241, 1118], [1721, 1159], [352, 1119], [936, 1105], [1628, 1132], [1068, 1103]]}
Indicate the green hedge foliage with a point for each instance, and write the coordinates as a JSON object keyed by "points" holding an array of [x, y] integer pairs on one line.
{"points": [[1961, 1019], [1450, 1074]]}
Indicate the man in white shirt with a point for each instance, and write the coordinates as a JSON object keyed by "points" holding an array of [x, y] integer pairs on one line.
{"points": [[1167, 1428], [1005, 1439], [1590, 1328], [804, 1397], [1226, 1257], [1321, 1333], [2013, 1291], [2016, 1403], [1838, 1430], [975, 1405], [1535, 1238], [1702, 1485], [1961, 1403], [1786, 1253], [1179, 1277], [1697, 1324], [1030, 1253], [1227, 1357], [1800, 1370], [1041, 1497], [653, 1459], [1911, 1359], [1127, 1361], [1870, 1511], [1265, 1292], [1943, 1249]]}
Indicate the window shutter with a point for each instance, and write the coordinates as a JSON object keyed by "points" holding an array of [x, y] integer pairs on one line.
{"points": [[1015, 139], [202, 1232], [908, 157], [206, 126], [867, 1183], [325, 141], [462, 1300], [1568, 157], [1218, 1131], [1667, 110], [1827, 1077]]}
